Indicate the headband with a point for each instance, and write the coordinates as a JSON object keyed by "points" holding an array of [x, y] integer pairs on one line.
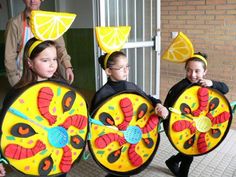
{"points": [[106, 59], [32, 47], [200, 57]]}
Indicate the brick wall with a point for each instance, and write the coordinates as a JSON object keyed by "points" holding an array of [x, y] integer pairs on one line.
{"points": [[211, 26]]}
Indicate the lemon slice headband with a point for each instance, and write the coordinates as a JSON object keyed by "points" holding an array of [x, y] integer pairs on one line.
{"points": [[180, 50], [54, 23], [111, 39]]}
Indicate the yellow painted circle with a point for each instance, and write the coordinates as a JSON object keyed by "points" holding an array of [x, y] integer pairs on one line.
{"points": [[123, 164], [201, 128], [26, 104]]}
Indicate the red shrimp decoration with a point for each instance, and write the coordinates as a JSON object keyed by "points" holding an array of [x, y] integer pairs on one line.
{"points": [[127, 109], [76, 120], [151, 124], [134, 158], [201, 143], [182, 125], [223, 117], [104, 140], [203, 96], [44, 99], [21, 152], [66, 161]]}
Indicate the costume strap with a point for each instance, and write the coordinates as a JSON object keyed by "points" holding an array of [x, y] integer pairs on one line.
{"points": [[201, 58], [35, 44]]}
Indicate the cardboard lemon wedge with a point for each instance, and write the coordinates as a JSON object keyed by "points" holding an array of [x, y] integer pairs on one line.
{"points": [[180, 49], [47, 25], [112, 38]]}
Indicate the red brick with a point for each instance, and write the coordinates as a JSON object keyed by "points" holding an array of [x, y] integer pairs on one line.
{"points": [[215, 2]]}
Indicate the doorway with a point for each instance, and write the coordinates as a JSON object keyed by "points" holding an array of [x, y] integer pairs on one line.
{"points": [[143, 46]]}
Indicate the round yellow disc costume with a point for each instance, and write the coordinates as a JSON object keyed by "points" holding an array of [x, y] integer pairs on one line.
{"points": [[124, 134], [199, 120], [44, 129]]}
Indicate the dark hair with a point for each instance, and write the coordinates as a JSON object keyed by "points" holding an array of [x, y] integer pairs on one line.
{"points": [[111, 59], [28, 74], [197, 59]]}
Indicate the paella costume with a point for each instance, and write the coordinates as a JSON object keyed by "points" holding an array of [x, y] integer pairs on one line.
{"points": [[50, 124], [185, 158], [199, 120], [123, 128], [49, 129]]}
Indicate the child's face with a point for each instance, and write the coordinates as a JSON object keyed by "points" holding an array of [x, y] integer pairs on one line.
{"points": [[120, 70], [195, 71], [45, 64]]}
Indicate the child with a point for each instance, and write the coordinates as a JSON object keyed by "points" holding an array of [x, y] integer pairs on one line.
{"points": [[39, 63], [196, 69], [117, 69]]}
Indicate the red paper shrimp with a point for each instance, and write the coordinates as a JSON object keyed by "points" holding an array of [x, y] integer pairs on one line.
{"points": [[127, 109], [44, 99]]}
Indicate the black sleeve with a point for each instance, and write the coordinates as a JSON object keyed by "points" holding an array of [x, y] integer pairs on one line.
{"points": [[154, 100], [220, 86]]}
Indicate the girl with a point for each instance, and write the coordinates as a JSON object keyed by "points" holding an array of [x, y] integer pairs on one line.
{"points": [[117, 69], [39, 63], [196, 69]]}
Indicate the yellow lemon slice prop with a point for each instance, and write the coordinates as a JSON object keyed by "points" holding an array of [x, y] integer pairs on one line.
{"points": [[112, 38], [47, 25], [180, 49]]}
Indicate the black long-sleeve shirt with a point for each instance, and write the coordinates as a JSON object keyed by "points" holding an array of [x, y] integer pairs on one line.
{"points": [[111, 88], [178, 88]]}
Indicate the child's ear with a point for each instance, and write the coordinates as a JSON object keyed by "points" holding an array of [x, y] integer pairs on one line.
{"points": [[29, 63], [108, 71]]}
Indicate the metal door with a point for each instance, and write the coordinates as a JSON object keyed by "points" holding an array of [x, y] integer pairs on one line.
{"points": [[143, 46]]}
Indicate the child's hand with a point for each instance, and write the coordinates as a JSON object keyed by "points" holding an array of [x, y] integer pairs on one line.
{"points": [[161, 111], [205, 82], [2, 170]]}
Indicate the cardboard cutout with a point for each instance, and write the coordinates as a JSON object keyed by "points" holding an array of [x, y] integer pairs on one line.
{"points": [[124, 134], [44, 129], [199, 120]]}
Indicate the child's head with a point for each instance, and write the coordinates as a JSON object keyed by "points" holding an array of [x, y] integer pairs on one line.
{"points": [[196, 67], [39, 61], [115, 65], [32, 5]]}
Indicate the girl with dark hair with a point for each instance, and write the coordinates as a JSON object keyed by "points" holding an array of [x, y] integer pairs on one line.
{"points": [[39, 63], [196, 69], [117, 69]]}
